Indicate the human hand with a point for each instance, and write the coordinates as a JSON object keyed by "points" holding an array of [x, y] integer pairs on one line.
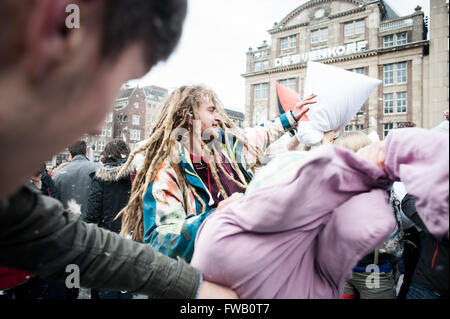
{"points": [[328, 137], [300, 109], [293, 143], [210, 290], [233, 198], [373, 153]]}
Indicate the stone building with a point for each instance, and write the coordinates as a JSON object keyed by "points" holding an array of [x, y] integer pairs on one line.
{"points": [[129, 116], [236, 116], [367, 37], [155, 97], [134, 113]]}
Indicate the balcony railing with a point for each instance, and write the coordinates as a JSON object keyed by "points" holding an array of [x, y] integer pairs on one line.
{"points": [[392, 25]]}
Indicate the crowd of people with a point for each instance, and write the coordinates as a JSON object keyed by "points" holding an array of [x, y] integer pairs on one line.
{"points": [[197, 210]]}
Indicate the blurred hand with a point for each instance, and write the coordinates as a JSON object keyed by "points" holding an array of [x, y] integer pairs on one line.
{"points": [[300, 109], [373, 153], [328, 137], [293, 143], [233, 198], [210, 290]]}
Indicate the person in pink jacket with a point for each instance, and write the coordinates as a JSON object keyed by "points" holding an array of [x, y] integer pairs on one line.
{"points": [[298, 233]]}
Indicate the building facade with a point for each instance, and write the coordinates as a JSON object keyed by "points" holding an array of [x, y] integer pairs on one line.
{"points": [[154, 97], [236, 116], [134, 113], [367, 37]]}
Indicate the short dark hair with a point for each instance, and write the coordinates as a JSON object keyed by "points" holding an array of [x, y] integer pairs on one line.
{"points": [[405, 124], [116, 150], [41, 169], [78, 148], [157, 24]]}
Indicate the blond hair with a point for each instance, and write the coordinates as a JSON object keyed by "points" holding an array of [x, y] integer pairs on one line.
{"points": [[177, 112], [353, 140]]}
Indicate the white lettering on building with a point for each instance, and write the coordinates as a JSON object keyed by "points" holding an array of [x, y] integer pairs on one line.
{"points": [[321, 54]]}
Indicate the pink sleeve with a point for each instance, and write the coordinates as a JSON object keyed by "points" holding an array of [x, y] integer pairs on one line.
{"points": [[420, 158]]}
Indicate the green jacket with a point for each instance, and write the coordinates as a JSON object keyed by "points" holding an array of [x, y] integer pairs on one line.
{"points": [[38, 236]]}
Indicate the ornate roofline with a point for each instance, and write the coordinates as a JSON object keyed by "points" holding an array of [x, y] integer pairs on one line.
{"points": [[307, 5]]}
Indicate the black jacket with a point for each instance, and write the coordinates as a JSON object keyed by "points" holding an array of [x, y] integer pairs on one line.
{"points": [[38, 236], [108, 196], [432, 268], [48, 186]]}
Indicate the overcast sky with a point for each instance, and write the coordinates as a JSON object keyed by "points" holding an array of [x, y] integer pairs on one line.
{"points": [[216, 37]]}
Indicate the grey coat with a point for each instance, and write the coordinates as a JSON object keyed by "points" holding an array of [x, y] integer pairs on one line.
{"points": [[38, 236], [73, 182]]}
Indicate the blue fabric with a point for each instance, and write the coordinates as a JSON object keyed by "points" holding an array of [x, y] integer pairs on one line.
{"points": [[284, 120], [171, 244], [418, 292], [387, 267], [199, 286]]}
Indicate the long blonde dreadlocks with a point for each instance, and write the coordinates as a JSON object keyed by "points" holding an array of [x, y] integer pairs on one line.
{"points": [[178, 111]]}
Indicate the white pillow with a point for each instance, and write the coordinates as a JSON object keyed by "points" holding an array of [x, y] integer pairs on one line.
{"points": [[340, 95]]}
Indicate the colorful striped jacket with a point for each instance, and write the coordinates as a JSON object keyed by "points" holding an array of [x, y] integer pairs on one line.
{"points": [[172, 215]]}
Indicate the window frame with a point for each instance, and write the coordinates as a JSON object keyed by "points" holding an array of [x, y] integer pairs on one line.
{"points": [[386, 130], [390, 107], [390, 42], [404, 100], [405, 70], [385, 71]]}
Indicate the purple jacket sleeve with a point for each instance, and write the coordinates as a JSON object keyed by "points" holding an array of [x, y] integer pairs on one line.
{"points": [[420, 159]]}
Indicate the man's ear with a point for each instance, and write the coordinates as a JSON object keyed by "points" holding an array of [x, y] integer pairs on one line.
{"points": [[49, 40]]}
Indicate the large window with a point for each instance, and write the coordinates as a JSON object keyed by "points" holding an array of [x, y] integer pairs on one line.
{"points": [[104, 131], [348, 128], [360, 70], [391, 40], [402, 38], [386, 128], [257, 91], [388, 74], [319, 35], [284, 43], [290, 83], [260, 66], [264, 90], [388, 101], [101, 146], [259, 114], [136, 119], [260, 91], [135, 135], [401, 72], [289, 42], [354, 27], [388, 41], [401, 102], [292, 41]]}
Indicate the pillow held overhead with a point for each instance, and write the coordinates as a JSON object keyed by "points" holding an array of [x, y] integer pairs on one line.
{"points": [[340, 95]]}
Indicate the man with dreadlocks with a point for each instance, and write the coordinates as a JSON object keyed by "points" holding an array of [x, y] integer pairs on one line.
{"points": [[195, 159]]}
